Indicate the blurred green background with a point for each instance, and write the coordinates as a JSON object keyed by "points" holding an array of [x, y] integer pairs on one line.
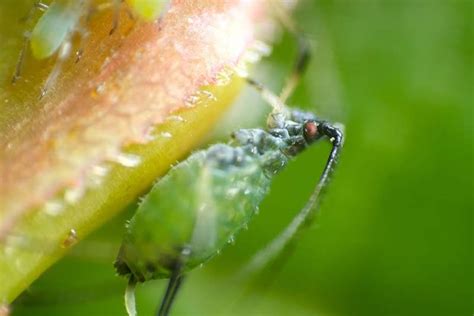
{"points": [[394, 236]]}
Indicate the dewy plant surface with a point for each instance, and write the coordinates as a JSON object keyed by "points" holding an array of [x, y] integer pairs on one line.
{"points": [[135, 102]]}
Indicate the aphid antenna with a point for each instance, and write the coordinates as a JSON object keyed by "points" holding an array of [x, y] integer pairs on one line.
{"points": [[303, 54], [174, 282], [273, 100]]}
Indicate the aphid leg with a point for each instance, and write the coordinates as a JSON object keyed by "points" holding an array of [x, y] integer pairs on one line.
{"points": [[26, 40], [173, 286], [285, 239], [303, 53], [21, 57], [130, 304], [116, 16], [301, 63], [63, 54]]}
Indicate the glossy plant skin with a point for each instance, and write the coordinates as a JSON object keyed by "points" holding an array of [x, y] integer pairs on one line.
{"points": [[113, 115]]}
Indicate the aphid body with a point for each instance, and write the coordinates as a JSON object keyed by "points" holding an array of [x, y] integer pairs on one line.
{"points": [[212, 195], [55, 26], [52, 34], [63, 19]]}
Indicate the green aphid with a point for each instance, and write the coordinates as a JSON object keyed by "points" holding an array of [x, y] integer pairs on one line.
{"points": [[63, 19], [55, 27], [199, 207], [52, 34], [147, 9], [212, 195]]}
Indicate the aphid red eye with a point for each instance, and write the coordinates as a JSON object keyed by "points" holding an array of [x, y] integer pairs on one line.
{"points": [[310, 131]]}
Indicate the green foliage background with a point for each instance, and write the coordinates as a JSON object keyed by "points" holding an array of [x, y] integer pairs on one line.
{"points": [[394, 236]]}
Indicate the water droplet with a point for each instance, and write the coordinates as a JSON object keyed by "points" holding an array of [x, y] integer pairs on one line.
{"points": [[201, 265], [251, 57], [100, 88], [186, 251], [100, 171], [149, 136], [106, 62], [223, 77], [241, 70], [209, 95], [257, 210], [189, 104], [128, 160], [53, 208], [166, 135], [262, 48], [231, 240], [71, 239], [73, 195], [193, 100], [232, 193], [175, 118], [245, 226]]}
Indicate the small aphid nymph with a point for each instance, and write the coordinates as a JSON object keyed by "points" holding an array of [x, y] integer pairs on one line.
{"points": [[52, 34], [147, 9], [62, 20]]}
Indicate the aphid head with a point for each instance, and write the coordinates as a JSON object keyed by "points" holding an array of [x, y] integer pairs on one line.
{"points": [[311, 132]]}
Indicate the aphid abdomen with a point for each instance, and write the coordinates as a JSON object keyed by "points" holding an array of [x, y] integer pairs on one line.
{"points": [[196, 209], [55, 26]]}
